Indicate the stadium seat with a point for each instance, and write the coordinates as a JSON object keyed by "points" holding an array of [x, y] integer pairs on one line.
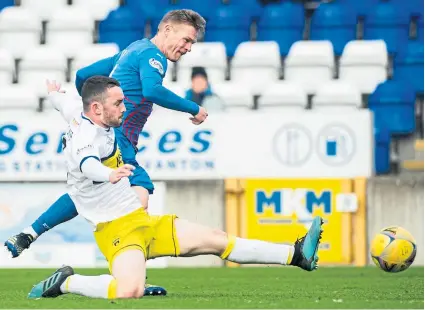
{"points": [[205, 8], [382, 150], [393, 104], [364, 63], [6, 3], [70, 29], [230, 25], [98, 9], [42, 63], [176, 88], [44, 9], [256, 64], [210, 55], [7, 68], [337, 95], [282, 23], [20, 30], [122, 26], [283, 95], [18, 97], [334, 22], [310, 63], [70, 89], [148, 8], [387, 22], [90, 54], [409, 65], [234, 95]]}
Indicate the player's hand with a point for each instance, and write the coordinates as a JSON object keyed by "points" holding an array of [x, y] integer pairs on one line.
{"points": [[121, 172], [200, 117], [53, 86]]}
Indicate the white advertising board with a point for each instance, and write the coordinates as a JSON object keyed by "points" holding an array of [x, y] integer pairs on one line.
{"points": [[249, 144]]}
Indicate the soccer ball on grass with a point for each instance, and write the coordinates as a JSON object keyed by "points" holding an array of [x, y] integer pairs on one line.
{"points": [[393, 249]]}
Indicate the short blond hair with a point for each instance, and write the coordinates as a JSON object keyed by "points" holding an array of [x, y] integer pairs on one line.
{"points": [[185, 16]]}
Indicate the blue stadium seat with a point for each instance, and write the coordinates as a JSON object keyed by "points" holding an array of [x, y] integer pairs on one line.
{"points": [[253, 7], [409, 65], [382, 150], [283, 23], [122, 26], [334, 22], [393, 104], [388, 23], [6, 3], [205, 8], [230, 25], [148, 8]]}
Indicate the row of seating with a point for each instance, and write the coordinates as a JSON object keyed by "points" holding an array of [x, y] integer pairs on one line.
{"points": [[285, 23], [256, 64]]}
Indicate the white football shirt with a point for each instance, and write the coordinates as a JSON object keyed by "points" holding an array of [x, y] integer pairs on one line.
{"points": [[98, 202]]}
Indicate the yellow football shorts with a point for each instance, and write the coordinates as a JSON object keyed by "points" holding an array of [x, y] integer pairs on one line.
{"points": [[154, 235]]}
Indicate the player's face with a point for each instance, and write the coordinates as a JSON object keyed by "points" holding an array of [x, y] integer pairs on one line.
{"points": [[179, 41], [113, 108]]}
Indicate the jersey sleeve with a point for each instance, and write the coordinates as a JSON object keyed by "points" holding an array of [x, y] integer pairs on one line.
{"points": [[67, 105], [152, 65], [84, 147], [102, 67]]}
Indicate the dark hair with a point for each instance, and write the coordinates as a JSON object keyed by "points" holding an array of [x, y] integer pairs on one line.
{"points": [[196, 71], [94, 89], [188, 17]]}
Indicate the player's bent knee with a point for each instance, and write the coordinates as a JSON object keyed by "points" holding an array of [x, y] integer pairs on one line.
{"points": [[130, 291]]}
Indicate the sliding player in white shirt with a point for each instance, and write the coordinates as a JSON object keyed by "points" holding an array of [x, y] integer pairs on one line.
{"points": [[125, 233]]}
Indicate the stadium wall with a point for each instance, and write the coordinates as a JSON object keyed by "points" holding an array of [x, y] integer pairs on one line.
{"points": [[395, 201]]}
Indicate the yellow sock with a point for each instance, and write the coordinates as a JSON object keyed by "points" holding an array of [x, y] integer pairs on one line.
{"points": [[290, 256], [112, 289], [230, 246]]}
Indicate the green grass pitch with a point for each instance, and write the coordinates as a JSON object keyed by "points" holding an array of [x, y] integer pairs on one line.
{"points": [[269, 287]]}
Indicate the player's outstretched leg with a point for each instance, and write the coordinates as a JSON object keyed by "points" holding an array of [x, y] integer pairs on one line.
{"points": [[127, 280], [195, 239], [59, 212]]}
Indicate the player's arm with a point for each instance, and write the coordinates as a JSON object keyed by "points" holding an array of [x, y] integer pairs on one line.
{"points": [[151, 67], [86, 153], [67, 105], [102, 67]]}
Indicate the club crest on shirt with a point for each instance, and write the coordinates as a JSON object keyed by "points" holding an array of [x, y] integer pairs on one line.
{"points": [[157, 65]]}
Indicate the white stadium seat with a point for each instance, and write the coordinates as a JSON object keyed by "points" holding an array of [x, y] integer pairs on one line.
{"points": [[169, 74], [176, 88], [20, 30], [336, 95], [364, 63], [7, 68], [234, 95], [283, 95], [18, 97], [210, 55], [256, 64], [70, 29], [98, 9], [44, 9], [90, 54], [310, 63], [40, 64]]}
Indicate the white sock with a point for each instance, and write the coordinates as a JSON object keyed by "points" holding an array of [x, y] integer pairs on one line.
{"points": [[89, 286], [29, 230], [248, 251]]}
